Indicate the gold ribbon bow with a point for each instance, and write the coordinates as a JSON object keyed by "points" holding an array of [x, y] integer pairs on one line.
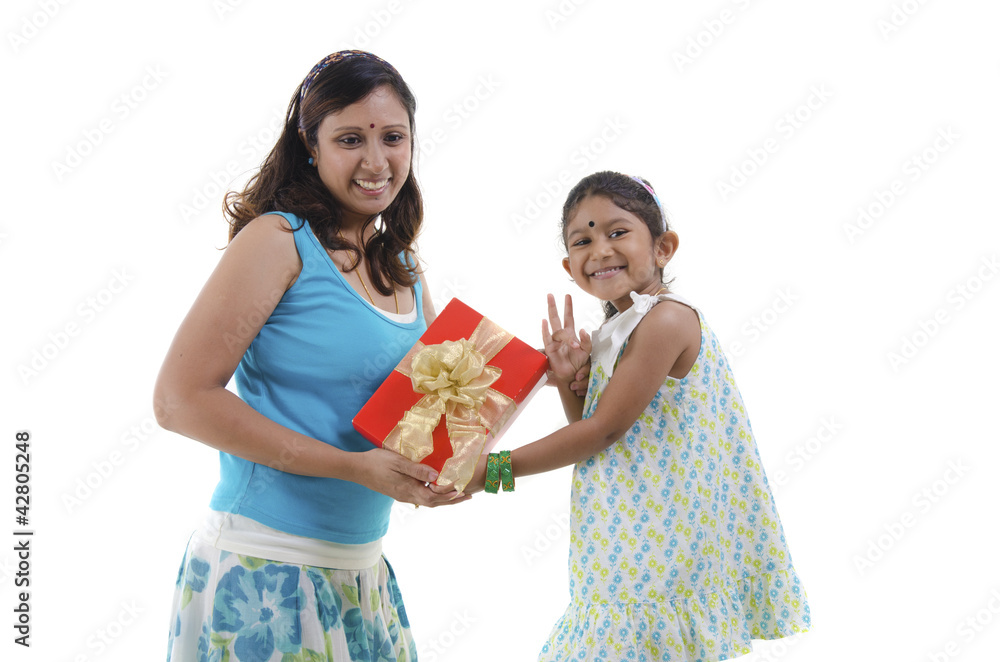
{"points": [[455, 378]]}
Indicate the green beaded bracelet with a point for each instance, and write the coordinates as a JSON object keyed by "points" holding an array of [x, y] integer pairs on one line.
{"points": [[506, 471], [492, 473]]}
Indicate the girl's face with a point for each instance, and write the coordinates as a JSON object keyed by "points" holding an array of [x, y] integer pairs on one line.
{"points": [[611, 252], [362, 154]]}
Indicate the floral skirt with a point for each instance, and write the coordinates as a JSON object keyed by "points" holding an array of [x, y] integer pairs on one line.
{"points": [[234, 608]]}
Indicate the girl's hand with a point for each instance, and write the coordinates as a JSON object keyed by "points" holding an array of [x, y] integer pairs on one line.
{"points": [[393, 475], [582, 382], [568, 354]]}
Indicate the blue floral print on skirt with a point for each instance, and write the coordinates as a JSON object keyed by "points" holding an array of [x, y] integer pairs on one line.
{"points": [[235, 608]]}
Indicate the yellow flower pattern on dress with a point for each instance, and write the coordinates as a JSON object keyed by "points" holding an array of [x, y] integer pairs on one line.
{"points": [[676, 549]]}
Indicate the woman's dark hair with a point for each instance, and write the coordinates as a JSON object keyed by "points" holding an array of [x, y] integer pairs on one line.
{"points": [[287, 182], [625, 193]]}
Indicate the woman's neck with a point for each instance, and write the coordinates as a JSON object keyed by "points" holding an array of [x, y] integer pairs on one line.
{"points": [[357, 231]]}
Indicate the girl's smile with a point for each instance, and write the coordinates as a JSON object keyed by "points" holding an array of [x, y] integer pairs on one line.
{"points": [[606, 273], [612, 253]]}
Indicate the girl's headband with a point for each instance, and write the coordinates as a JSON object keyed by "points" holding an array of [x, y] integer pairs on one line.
{"points": [[663, 214], [339, 56]]}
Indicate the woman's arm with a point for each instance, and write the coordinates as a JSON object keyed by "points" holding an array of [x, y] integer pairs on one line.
{"points": [[191, 398], [429, 313], [666, 333]]}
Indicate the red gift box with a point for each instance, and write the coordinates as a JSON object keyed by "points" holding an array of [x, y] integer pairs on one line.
{"points": [[472, 377]]}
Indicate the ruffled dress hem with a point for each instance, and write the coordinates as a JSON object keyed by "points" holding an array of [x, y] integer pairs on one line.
{"points": [[688, 628]]}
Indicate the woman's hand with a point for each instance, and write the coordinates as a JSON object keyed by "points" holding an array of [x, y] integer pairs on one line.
{"points": [[478, 482], [392, 474], [568, 354]]}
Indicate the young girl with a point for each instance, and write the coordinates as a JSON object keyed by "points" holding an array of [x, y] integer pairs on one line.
{"points": [[676, 550]]}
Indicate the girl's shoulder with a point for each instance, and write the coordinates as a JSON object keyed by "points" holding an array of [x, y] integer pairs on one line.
{"points": [[654, 327], [668, 337], [670, 322]]}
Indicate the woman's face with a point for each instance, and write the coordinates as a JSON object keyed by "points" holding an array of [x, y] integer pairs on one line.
{"points": [[362, 154]]}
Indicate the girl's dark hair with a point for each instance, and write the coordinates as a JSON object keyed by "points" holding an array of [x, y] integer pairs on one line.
{"points": [[625, 193], [287, 182]]}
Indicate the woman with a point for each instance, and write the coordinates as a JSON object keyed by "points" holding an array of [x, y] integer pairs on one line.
{"points": [[315, 299]]}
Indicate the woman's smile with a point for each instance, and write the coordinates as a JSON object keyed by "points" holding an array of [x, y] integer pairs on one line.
{"points": [[373, 188]]}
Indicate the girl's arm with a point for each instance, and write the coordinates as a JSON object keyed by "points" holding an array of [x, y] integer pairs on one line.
{"points": [[670, 334], [572, 403], [191, 398]]}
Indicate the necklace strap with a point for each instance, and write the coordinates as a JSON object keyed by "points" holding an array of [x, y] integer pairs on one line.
{"points": [[358, 267]]}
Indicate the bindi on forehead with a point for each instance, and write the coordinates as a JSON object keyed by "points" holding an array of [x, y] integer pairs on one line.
{"points": [[371, 126], [591, 224]]}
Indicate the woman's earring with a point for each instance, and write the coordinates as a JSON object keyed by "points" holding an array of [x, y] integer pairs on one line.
{"points": [[310, 160]]}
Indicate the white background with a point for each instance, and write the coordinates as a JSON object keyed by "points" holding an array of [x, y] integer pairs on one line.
{"points": [[884, 470]]}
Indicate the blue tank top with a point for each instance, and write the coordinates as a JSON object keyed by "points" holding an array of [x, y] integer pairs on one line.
{"points": [[318, 358]]}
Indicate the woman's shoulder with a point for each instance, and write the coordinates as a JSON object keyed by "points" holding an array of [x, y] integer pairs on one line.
{"points": [[284, 220], [268, 241], [271, 230]]}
